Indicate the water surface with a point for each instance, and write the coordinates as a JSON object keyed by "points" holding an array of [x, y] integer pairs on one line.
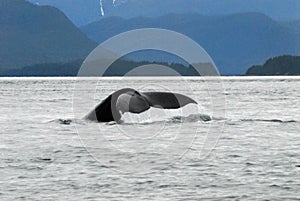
{"points": [[49, 152]]}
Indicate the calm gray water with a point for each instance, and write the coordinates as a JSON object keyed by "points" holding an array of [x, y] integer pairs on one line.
{"points": [[48, 152]]}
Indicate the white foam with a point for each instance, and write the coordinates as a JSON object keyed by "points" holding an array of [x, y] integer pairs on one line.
{"points": [[158, 115]]}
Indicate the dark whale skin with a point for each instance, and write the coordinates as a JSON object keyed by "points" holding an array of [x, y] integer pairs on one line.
{"points": [[107, 111]]}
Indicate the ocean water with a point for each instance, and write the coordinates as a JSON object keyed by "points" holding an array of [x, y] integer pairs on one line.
{"points": [[241, 142]]}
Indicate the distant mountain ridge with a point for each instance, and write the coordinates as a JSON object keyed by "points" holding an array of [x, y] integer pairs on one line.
{"points": [[235, 41], [119, 68], [294, 25], [82, 12], [32, 34], [281, 65]]}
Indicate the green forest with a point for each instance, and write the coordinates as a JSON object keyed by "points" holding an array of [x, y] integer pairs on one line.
{"points": [[281, 65]]}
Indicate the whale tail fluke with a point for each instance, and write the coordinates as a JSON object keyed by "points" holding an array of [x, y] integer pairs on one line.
{"points": [[130, 100], [167, 100]]}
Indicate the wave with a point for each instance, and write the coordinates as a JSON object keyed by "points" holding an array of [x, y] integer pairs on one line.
{"points": [[269, 120], [191, 118], [174, 120], [68, 121], [207, 118]]}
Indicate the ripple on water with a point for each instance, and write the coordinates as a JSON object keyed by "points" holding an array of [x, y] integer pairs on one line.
{"points": [[256, 157]]}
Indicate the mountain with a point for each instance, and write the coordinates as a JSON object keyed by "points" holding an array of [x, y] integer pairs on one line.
{"points": [[234, 42], [119, 68], [294, 25], [82, 12], [31, 34], [281, 65]]}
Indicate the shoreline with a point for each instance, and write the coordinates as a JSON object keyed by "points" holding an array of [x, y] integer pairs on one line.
{"points": [[245, 77]]}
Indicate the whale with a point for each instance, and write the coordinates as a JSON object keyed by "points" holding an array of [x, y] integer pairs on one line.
{"points": [[130, 100]]}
